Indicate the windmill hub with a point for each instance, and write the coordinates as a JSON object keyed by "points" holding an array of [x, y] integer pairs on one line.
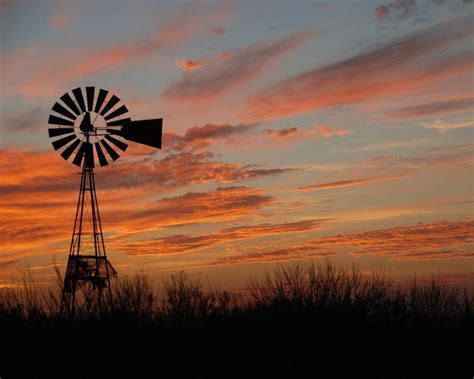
{"points": [[90, 129], [86, 124]]}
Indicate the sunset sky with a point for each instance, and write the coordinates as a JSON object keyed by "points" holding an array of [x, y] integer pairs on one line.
{"points": [[292, 130]]}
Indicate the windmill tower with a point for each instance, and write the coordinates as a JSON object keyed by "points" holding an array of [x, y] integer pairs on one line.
{"points": [[89, 129]]}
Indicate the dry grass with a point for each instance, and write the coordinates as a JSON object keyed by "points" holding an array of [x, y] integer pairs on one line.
{"points": [[296, 321], [316, 288]]}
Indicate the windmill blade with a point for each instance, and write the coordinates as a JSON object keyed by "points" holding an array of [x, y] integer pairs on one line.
{"points": [[113, 100], [119, 122], [54, 120], [63, 141], [70, 103], [59, 131], [80, 153], [63, 111], [89, 154], [122, 146], [90, 98], [79, 98], [100, 100], [118, 112], [113, 154], [101, 155], [70, 149], [146, 132]]}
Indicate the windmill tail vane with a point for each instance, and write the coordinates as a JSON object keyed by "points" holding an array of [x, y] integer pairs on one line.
{"points": [[91, 130]]}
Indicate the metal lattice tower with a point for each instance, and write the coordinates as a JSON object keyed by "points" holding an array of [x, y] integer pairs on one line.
{"points": [[88, 271], [90, 128]]}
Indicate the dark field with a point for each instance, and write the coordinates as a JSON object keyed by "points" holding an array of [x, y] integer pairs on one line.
{"points": [[313, 321]]}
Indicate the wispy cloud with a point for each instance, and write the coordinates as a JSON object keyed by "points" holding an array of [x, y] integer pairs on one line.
{"points": [[439, 240], [444, 126], [348, 183], [222, 204], [39, 190], [323, 131], [202, 136], [53, 71], [398, 9], [243, 65], [41, 172], [434, 109], [413, 9], [391, 69], [28, 120], [179, 244]]}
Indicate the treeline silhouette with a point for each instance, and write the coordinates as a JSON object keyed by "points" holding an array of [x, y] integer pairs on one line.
{"points": [[297, 321]]}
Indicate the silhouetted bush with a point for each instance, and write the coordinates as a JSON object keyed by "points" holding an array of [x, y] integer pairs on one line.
{"points": [[295, 321]]}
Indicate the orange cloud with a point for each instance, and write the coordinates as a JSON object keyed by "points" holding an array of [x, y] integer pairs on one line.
{"points": [[202, 136], [326, 131], [222, 204], [19, 166], [178, 244], [439, 240], [283, 133], [222, 75], [39, 194], [397, 67], [181, 169], [40, 172], [322, 131], [348, 183], [188, 64]]}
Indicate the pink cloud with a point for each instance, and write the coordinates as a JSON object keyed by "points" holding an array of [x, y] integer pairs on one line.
{"points": [[53, 71], [397, 67], [222, 75]]}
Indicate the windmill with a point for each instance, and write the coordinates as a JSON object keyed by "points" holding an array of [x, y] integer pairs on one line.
{"points": [[90, 130]]}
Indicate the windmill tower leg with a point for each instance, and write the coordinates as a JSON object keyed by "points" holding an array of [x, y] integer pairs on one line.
{"points": [[88, 271]]}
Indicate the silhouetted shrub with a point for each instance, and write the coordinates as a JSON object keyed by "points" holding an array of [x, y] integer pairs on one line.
{"points": [[293, 322]]}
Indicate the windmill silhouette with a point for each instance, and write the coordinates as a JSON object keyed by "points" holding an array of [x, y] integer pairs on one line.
{"points": [[91, 129]]}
